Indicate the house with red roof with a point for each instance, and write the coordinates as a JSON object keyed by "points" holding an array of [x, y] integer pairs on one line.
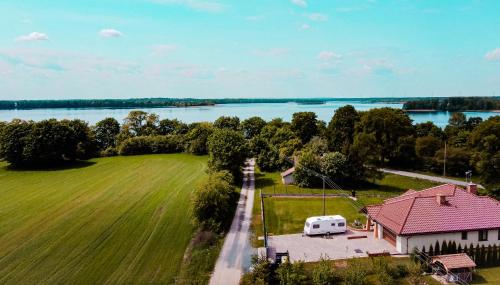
{"points": [[442, 213]]}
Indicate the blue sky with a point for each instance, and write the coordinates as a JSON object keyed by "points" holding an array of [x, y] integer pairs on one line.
{"points": [[255, 48]]}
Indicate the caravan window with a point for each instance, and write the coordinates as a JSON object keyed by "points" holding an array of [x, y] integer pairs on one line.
{"points": [[333, 224], [341, 224], [315, 226]]}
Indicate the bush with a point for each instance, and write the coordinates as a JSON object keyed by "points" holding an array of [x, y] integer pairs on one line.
{"points": [[355, 273], [110, 151], [151, 145], [292, 273], [323, 274], [261, 273], [213, 202]]}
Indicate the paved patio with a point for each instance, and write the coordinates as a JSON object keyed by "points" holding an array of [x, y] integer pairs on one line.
{"points": [[310, 249]]}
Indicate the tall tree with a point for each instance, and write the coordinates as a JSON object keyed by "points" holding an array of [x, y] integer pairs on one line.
{"points": [[197, 138], [224, 122], [228, 151], [305, 125], [172, 127], [388, 125], [140, 123], [105, 132], [252, 126], [341, 129]]}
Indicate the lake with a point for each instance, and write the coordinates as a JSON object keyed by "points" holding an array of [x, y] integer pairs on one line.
{"points": [[267, 111]]}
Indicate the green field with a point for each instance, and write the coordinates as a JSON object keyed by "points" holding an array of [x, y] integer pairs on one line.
{"points": [[111, 220], [287, 215]]}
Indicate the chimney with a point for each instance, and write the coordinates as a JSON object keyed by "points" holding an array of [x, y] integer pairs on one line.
{"points": [[472, 188], [441, 199]]}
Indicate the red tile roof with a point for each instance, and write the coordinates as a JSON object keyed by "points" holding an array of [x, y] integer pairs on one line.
{"points": [[418, 212], [288, 172], [454, 261]]}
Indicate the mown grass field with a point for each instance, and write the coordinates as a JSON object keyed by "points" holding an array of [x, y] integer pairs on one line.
{"points": [[111, 220], [287, 215]]}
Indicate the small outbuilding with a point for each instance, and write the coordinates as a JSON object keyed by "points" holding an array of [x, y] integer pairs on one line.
{"points": [[287, 176], [454, 267]]}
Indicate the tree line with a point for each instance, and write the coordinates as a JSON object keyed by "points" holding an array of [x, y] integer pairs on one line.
{"points": [[454, 104], [483, 256], [167, 102], [348, 149], [103, 103]]}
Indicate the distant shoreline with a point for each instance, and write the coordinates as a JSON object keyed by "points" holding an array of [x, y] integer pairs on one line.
{"points": [[434, 111], [195, 102]]}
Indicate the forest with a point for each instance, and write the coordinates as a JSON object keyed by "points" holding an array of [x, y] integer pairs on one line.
{"points": [[454, 104]]}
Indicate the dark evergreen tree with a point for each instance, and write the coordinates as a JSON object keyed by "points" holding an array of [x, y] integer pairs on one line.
{"points": [[431, 251], [444, 247], [490, 261], [437, 250], [459, 249], [452, 247]]}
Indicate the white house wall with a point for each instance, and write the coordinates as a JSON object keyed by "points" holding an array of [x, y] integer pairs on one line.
{"points": [[406, 244]]}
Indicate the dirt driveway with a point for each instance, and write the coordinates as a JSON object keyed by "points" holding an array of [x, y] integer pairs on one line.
{"points": [[310, 249]]}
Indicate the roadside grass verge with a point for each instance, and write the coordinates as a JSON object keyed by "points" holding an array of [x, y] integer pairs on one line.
{"points": [[116, 220]]}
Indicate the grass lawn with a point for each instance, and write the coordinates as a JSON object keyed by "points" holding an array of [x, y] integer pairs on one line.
{"points": [[487, 276], [111, 220], [287, 215]]}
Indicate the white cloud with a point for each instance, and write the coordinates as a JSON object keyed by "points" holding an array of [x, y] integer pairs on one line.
{"points": [[493, 55], [328, 55], [110, 33], [273, 52], [301, 3], [304, 27], [160, 50], [35, 36], [316, 17], [199, 5]]}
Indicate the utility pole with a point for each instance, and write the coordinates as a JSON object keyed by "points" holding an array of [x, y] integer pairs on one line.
{"points": [[444, 164], [263, 218], [324, 201]]}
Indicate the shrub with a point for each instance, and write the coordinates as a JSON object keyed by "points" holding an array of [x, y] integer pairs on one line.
{"points": [[292, 273], [110, 151], [151, 145], [355, 273], [261, 273], [213, 202], [323, 273]]}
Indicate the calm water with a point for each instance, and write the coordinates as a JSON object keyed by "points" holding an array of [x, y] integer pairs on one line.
{"points": [[195, 114]]}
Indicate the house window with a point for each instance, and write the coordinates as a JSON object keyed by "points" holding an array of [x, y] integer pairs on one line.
{"points": [[341, 224], [498, 234], [483, 235], [464, 235], [333, 224], [315, 226]]}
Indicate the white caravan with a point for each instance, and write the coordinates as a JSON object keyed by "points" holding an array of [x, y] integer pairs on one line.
{"points": [[325, 225]]}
